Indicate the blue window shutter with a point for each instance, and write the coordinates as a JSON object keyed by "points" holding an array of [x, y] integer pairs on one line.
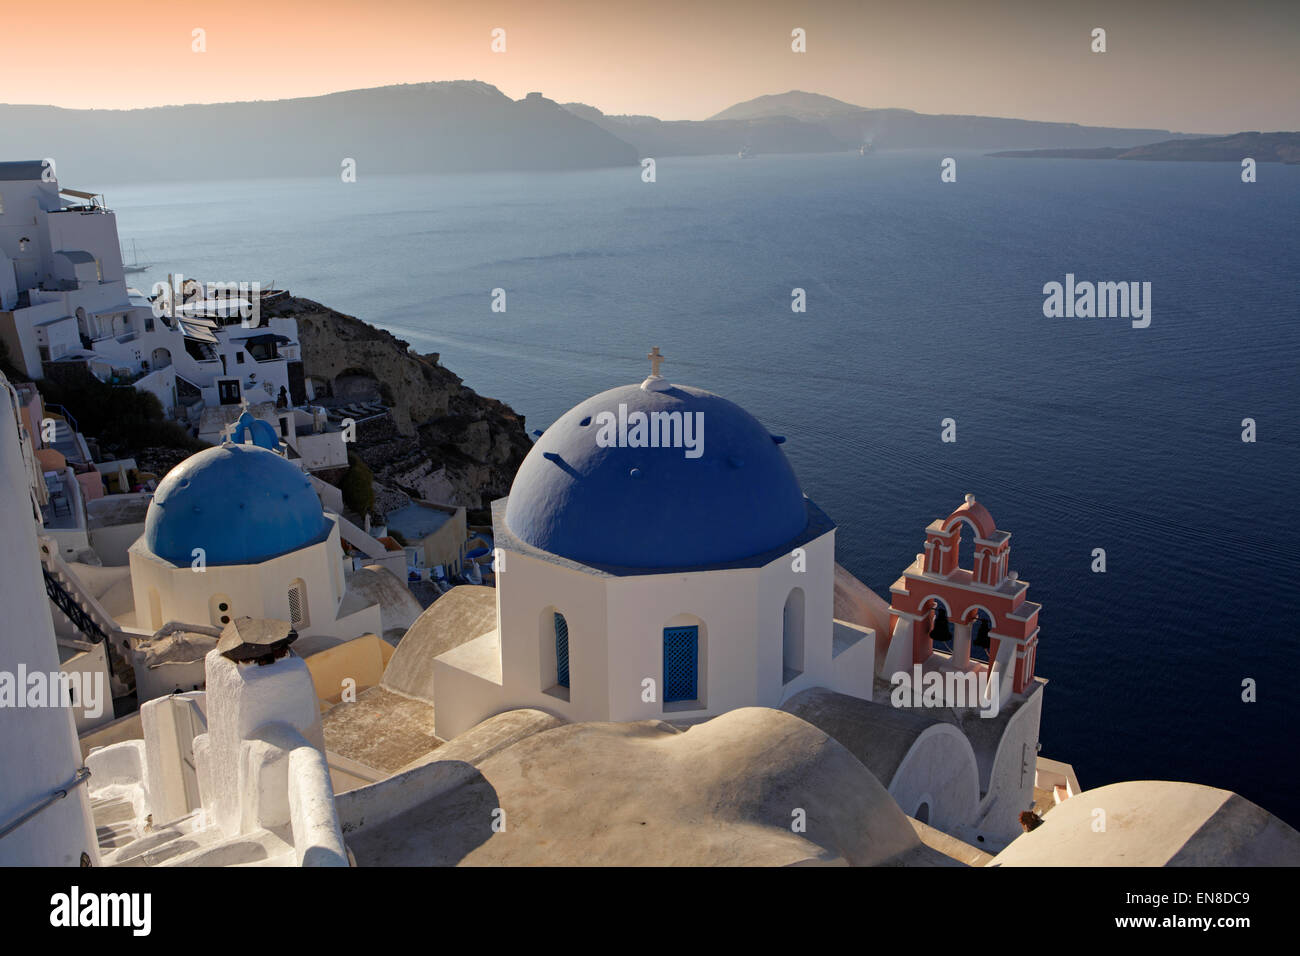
{"points": [[681, 663], [561, 650]]}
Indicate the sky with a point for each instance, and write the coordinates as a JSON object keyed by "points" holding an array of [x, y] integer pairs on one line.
{"points": [[1183, 65]]}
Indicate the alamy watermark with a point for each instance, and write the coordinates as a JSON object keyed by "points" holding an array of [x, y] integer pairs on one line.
{"points": [[945, 689], [82, 689], [127, 910], [1101, 300], [190, 298], [638, 429]]}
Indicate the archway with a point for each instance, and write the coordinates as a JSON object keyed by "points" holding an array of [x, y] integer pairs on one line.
{"points": [[792, 642], [980, 622], [936, 619]]}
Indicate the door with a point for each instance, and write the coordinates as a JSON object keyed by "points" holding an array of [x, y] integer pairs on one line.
{"points": [[228, 391]]}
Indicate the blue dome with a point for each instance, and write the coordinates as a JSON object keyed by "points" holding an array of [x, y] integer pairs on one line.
{"points": [[241, 504], [655, 507]]}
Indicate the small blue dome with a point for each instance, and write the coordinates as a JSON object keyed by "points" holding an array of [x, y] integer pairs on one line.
{"points": [[241, 504], [262, 433], [655, 507]]}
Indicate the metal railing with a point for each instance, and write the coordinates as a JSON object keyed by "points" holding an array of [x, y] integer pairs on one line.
{"points": [[66, 602], [81, 776], [67, 415]]}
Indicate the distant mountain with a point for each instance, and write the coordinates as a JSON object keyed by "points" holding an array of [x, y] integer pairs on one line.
{"points": [[796, 104], [424, 127], [1261, 147], [465, 125], [800, 122], [656, 137]]}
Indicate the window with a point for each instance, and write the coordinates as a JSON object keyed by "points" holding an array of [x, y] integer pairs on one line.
{"points": [[219, 610], [681, 663], [298, 604], [561, 650], [792, 636], [553, 653], [239, 358]]}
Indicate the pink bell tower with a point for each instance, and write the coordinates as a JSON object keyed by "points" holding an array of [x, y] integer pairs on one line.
{"points": [[937, 579]]}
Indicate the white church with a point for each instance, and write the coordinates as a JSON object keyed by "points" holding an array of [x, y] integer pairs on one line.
{"points": [[237, 530], [637, 582]]}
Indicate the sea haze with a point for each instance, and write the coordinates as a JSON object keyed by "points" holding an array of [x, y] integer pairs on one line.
{"points": [[924, 302]]}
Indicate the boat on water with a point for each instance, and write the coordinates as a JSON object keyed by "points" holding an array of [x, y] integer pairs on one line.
{"points": [[866, 149], [133, 264], [746, 152]]}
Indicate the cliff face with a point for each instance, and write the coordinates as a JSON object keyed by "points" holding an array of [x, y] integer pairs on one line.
{"points": [[441, 440]]}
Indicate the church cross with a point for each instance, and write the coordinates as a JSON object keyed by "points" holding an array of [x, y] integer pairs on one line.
{"points": [[655, 360]]}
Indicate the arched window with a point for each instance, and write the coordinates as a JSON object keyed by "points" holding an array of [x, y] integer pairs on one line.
{"points": [[941, 629], [792, 636], [561, 650], [553, 652], [298, 604]]}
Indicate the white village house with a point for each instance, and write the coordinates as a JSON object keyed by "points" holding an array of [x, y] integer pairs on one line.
{"points": [[64, 299]]}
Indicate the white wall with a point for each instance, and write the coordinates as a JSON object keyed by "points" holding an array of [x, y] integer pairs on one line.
{"points": [[1011, 779], [253, 590], [939, 770], [524, 594], [91, 668], [38, 745], [615, 627]]}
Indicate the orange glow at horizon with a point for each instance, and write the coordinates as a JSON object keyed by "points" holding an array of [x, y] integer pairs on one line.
{"points": [[1188, 66]]}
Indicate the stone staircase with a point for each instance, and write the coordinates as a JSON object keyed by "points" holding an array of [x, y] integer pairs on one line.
{"points": [[65, 441], [88, 617]]}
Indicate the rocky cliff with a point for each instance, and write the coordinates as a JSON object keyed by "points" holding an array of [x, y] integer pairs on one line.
{"points": [[441, 440]]}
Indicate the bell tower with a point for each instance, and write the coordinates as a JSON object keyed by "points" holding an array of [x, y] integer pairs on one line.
{"points": [[986, 598]]}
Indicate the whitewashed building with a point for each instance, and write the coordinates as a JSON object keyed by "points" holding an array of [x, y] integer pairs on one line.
{"points": [[64, 299]]}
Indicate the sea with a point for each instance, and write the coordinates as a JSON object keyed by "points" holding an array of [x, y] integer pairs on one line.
{"points": [[924, 302]]}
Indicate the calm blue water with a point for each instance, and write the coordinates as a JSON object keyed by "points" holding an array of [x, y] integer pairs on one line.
{"points": [[924, 301]]}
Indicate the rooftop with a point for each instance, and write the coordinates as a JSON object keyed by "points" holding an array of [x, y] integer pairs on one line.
{"points": [[417, 520]]}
